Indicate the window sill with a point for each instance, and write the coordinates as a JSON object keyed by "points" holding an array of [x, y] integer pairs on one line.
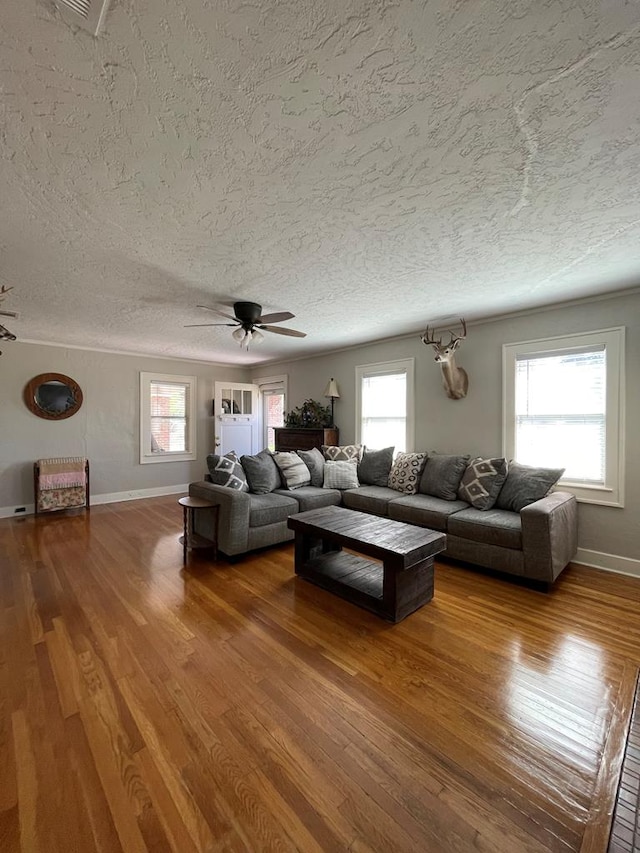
{"points": [[167, 457], [600, 495]]}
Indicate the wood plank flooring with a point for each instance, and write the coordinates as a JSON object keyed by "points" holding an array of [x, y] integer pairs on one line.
{"points": [[147, 707]]}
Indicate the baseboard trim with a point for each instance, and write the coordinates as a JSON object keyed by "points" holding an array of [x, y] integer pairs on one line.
{"points": [[109, 498], [608, 562]]}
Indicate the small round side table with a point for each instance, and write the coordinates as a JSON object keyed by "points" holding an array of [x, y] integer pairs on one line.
{"points": [[194, 540]]}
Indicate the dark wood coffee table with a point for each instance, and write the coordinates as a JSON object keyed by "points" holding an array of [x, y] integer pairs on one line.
{"points": [[392, 590]]}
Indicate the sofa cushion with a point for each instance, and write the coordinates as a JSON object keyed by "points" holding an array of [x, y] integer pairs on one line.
{"points": [[313, 497], [262, 473], [270, 509], [482, 481], [314, 460], [406, 471], [227, 471], [342, 452], [425, 510], [375, 465], [373, 499], [442, 475], [293, 471], [526, 485], [490, 526], [340, 475]]}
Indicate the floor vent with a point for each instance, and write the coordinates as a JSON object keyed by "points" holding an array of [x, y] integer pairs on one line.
{"points": [[88, 14]]}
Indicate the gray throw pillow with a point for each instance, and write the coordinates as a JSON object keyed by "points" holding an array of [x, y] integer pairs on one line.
{"points": [[262, 473], [375, 466], [292, 469], [314, 460], [526, 485], [442, 475], [482, 481], [227, 471]]}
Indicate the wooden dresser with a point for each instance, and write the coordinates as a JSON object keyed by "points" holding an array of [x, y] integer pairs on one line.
{"points": [[297, 438]]}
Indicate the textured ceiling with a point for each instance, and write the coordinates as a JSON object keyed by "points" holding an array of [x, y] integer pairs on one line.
{"points": [[368, 166]]}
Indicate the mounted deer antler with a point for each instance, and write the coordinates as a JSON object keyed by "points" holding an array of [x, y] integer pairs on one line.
{"points": [[454, 378]]}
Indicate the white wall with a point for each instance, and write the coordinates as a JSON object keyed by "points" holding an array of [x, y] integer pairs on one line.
{"points": [[105, 430], [473, 425]]}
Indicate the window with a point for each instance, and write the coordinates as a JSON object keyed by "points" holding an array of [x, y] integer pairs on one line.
{"points": [[563, 406], [384, 404], [167, 418], [273, 391]]}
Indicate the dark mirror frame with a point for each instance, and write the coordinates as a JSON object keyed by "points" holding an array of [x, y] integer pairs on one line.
{"points": [[31, 396]]}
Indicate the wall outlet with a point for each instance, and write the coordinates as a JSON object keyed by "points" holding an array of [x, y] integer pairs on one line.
{"points": [[20, 509]]}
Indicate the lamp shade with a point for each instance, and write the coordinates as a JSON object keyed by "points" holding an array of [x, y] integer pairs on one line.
{"points": [[332, 389]]}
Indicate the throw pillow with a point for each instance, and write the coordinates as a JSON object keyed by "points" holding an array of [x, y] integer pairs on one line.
{"points": [[340, 475], [262, 473], [442, 475], [525, 485], [293, 471], [482, 481], [406, 471], [227, 471], [314, 460], [342, 453], [375, 466]]}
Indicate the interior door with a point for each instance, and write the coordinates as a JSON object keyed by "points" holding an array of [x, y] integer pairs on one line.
{"points": [[236, 418]]}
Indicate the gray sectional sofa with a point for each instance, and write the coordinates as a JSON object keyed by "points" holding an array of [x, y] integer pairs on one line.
{"points": [[536, 542]]}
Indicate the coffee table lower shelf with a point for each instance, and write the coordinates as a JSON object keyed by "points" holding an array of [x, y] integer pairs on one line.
{"points": [[355, 578]]}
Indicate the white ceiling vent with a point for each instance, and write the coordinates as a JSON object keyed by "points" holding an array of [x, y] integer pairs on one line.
{"points": [[88, 14]]}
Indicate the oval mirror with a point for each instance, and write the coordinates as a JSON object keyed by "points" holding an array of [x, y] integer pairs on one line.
{"points": [[53, 396]]}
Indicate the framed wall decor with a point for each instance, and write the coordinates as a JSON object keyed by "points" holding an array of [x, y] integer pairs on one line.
{"points": [[53, 396]]}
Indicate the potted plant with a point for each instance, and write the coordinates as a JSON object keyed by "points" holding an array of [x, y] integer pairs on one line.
{"points": [[311, 415]]}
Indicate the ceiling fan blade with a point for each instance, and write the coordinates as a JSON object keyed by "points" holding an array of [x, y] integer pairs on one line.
{"points": [[276, 318], [279, 331], [216, 311], [193, 325]]}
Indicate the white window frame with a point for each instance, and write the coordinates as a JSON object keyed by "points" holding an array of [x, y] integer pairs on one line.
{"points": [[402, 365], [612, 492], [146, 456], [270, 383]]}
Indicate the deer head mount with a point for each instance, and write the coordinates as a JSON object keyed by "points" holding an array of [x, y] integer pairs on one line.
{"points": [[454, 379]]}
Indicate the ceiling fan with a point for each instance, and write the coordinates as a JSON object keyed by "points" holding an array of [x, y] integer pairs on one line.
{"points": [[249, 323]]}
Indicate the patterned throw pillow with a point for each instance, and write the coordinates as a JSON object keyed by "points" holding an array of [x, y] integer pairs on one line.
{"points": [[292, 469], [314, 460], [340, 475], [342, 453], [375, 466], [526, 485], [227, 471], [482, 481], [406, 471]]}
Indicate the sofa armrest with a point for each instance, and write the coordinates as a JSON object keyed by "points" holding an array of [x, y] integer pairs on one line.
{"points": [[233, 522], [549, 535]]}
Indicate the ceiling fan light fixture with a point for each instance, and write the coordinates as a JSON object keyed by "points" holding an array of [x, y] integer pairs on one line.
{"points": [[239, 335], [256, 336]]}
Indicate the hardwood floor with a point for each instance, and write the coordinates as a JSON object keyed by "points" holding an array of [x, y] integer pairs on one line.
{"points": [[235, 707]]}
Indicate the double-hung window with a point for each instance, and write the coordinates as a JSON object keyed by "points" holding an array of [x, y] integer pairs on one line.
{"points": [[563, 408], [167, 417], [385, 404]]}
